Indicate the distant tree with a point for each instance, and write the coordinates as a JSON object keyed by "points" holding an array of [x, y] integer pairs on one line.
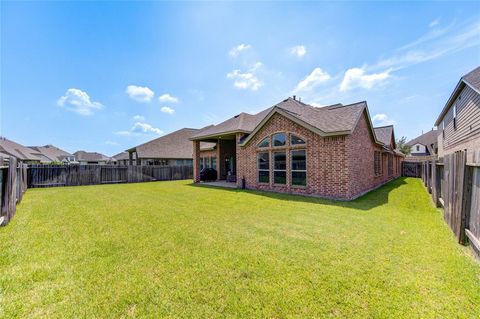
{"points": [[402, 145]]}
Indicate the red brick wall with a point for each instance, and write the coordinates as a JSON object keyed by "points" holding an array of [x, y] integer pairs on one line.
{"points": [[327, 173], [340, 167]]}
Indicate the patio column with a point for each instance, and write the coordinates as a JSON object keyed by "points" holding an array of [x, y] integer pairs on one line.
{"points": [[219, 161], [196, 161]]}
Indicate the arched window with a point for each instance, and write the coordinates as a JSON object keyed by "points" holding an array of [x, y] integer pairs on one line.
{"points": [[279, 139], [264, 143], [295, 140]]}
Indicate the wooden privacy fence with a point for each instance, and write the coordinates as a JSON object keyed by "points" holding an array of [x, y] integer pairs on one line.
{"points": [[13, 183], [455, 186], [411, 169], [76, 175]]}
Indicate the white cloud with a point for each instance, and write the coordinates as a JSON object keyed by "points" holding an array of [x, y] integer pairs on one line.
{"points": [[298, 51], [434, 23], [78, 101], [139, 118], [382, 120], [239, 48], [318, 76], [168, 98], [167, 110], [141, 94], [248, 79], [357, 78], [434, 44], [139, 127]]}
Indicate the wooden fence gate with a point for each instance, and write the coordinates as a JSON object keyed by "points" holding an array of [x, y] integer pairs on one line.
{"points": [[411, 169], [13, 183]]}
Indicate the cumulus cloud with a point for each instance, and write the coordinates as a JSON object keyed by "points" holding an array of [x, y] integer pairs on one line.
{"points": [[382, 120], [248, 79], [139, 118], [239, 48], [140, 128], [318, 76], [168, 110], [78, 101], [299, 51], [357, 78], [141, 94], [168, 98]]}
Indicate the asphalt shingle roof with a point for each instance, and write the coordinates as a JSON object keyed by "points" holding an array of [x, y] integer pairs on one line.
{"points": [[51, 152], [173, 145], [473, 78], [384, 134], [329, 119], [19, 151], [90, 156]]}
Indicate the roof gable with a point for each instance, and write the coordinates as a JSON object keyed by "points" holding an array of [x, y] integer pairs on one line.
{"points": [[472, 79], [19, 151]]}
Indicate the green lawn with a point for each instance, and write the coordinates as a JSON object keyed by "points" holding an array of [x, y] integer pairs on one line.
{"points": [[171, 249]]}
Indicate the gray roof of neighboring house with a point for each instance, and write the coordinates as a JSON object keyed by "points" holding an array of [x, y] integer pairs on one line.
{"points": [[472, 79], [121, 156], [330, 119], [174, 145], [384, 134], [51, 152], [427, 139], [90, 157], [19, 151]]}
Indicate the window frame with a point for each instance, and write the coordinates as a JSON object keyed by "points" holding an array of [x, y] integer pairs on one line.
{"points": [[272, 142], [263, 169], [299, 137], [268, 142], [377, 163], [285, 151], [298, 170]]}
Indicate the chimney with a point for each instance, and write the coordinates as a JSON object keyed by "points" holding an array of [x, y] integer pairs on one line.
{"points": [[294, 97]]}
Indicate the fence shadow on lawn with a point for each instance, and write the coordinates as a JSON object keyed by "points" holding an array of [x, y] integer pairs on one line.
{"points": [[372, 199]]}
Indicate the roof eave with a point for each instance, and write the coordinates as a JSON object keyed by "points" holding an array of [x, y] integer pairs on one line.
{"points": [[294, 119], [460, 85], [216, 135]]}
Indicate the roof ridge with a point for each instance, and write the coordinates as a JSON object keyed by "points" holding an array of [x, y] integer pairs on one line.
{"points": [[391, 125]]}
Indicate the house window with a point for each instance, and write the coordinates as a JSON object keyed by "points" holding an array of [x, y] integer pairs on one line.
{"points": [[214, 162], [377, 162], [279, 139], [265, 142], [455, 117], [295, 140], [279, 168], [299, 167], [418, 148], [390, 164], [263, 167]]}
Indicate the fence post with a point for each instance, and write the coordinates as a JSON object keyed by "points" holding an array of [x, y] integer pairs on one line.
{"points": [[466, 202]]}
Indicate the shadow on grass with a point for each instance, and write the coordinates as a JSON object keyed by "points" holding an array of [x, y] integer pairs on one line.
{"points": [[367, 201]]}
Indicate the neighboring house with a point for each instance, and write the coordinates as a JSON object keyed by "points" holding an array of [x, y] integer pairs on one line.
{"points": [[173, 149], [459, 121], [55, 154], [23, 153], [331, 151], [424, 146], [122, 159], [86, 158]]}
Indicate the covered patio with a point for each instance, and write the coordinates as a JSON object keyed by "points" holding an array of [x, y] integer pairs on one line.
{"points": [[225, 157]]}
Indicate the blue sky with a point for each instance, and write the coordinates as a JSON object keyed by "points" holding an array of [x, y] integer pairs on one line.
{"points": [[109, 75]]}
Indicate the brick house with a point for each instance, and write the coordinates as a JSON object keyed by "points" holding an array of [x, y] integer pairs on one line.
{"points": [[292, 147]]}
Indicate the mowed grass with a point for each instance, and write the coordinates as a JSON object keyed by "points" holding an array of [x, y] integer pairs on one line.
{"points": [[171, 249]]}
